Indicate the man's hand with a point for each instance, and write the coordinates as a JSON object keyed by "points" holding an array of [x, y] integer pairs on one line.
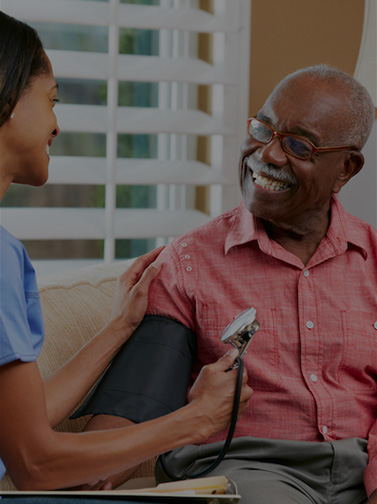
{"points": [[131, 295]]}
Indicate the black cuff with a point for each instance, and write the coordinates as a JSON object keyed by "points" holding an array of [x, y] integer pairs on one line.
{"points": [[149, 376]]}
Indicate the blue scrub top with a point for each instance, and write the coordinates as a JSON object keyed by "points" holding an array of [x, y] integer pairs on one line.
{"points": [[21, 323]]}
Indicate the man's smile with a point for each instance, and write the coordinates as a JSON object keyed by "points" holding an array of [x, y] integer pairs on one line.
{"points": [[266, 177]]}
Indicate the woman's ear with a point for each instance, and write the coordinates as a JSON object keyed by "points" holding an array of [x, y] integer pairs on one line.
{"points": [[352, 164]]}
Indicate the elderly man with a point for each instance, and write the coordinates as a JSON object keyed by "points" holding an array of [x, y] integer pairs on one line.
{"points": [[310, 269]]}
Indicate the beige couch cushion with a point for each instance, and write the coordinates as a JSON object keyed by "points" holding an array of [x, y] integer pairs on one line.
{"points": [[76, 305]]}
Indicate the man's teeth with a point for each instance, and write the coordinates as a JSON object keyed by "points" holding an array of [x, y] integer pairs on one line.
{"points": [[48, 149], [266, 183]]}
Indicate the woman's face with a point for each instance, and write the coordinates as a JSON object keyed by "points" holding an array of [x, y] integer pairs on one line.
{"points": [[30, 132]]}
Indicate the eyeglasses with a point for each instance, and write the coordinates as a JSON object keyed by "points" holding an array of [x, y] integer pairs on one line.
{"points": [[296, 146]]}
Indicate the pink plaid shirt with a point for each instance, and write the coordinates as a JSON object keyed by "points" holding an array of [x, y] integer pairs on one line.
{"points": [[313, 362]]}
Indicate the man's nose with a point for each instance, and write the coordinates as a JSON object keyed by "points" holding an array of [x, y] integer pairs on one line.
{"points": [[272, 152]]}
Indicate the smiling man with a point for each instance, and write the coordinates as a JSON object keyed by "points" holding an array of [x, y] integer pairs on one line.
{"points": [[310, 269], [293, 162]]}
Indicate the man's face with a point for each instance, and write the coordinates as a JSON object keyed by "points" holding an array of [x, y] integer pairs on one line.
{"points": [[278, 187]]}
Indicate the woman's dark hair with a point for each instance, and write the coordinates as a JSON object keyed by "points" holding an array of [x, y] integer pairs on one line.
{"points": [[21, 58]]}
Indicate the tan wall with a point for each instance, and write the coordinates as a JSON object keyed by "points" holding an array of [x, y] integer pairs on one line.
{"points": [[290, 34]]}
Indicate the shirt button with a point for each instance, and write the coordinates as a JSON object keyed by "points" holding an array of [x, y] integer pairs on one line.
{"points": [[306, 273], [187, 256], [375, 325], [324, 429], [313, 377], [309, 324], [184, 244], [188, 268]]}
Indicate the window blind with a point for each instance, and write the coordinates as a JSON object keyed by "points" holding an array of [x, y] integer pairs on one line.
{"points": [[174, 120]]}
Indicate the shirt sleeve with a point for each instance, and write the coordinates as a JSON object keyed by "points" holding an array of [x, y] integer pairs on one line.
{"points": [[21, 326], [168, 294]]}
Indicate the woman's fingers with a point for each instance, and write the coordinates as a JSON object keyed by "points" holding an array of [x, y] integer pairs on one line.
{"points": [[138, 267]]}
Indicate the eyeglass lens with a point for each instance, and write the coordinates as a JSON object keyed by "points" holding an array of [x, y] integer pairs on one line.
{"points": [[292, 145]]}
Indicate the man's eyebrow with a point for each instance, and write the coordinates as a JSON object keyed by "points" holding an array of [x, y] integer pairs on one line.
{"points": [[264, 118], [296, 131], [55, 87], [307, 134]]}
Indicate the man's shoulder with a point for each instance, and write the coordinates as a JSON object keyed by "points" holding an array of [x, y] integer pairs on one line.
{"points": [[355, 223], [361, 233], [211, 233], [356, 230], [205, 241]]}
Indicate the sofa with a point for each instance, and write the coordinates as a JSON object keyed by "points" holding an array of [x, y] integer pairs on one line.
{"points": [[76, 305]]}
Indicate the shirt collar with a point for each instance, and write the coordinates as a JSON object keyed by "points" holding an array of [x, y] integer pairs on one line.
{"points": [[242, 230], [342, 231]]}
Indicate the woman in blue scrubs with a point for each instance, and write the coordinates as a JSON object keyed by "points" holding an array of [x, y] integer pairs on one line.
{"points": [[35, 456]]}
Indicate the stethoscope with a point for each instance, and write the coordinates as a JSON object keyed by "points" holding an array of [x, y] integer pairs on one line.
{"points": [[239, 333]]}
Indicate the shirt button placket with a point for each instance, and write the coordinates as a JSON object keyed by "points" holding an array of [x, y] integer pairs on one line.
{"points": [[187, 256], [311, 368]]}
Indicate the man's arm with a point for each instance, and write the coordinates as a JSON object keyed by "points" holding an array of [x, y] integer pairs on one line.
{"points": [[166, 298]]}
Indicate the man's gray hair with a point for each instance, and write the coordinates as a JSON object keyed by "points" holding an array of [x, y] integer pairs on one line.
{"points": [[361, 107]]}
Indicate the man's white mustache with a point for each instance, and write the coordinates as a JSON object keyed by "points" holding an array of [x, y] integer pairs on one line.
{"points": [[269, 169]]}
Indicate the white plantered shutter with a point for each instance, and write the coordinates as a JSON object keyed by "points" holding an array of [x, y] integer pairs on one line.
{"points": [[176, 120]]}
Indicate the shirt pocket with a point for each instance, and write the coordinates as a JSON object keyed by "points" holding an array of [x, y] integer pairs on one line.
{"points": [[262, 358], [357, 370]]}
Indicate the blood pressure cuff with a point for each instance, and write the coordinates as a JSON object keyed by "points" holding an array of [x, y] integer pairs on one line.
{"points": [[149, 376]]}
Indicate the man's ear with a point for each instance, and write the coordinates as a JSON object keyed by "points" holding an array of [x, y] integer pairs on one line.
{"points": [[352, 164]]}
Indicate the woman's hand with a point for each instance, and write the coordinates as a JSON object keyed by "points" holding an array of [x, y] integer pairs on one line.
{"points": [[215, 387], [131, 294]]}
